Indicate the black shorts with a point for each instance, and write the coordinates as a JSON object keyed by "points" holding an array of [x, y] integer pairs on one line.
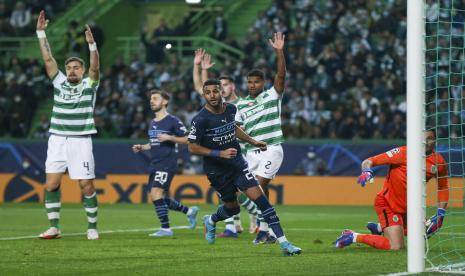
{"points": [[160, 179], [227, 181]]}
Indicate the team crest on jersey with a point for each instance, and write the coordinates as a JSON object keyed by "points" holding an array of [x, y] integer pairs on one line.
{"points": [[395, 218], [434, 169]]}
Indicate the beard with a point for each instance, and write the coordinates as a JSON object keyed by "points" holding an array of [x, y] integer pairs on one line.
{"points": [[73, 79]]}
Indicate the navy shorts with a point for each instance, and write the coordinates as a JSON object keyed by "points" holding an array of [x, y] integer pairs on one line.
{"points": [[227, 181], [160, 179]]}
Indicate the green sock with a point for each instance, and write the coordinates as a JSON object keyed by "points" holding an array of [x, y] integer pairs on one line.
{"points": [[53, 205], [91, 207], [248, 204]]}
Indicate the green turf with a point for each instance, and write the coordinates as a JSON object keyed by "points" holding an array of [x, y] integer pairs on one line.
{"points": [[134, 253]]}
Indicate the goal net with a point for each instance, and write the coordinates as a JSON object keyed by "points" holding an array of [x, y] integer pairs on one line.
{"points": [[445, 114]]}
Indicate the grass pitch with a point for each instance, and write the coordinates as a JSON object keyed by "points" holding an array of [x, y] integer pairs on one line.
{"points": [[125, 248]]}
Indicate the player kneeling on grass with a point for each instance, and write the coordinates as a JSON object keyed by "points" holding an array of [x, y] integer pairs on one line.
{"points": [[72, 123], [165, 131], [213, 135], [391, 201]]}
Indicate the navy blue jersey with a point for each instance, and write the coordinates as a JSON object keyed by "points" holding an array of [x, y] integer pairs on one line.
{"points": [[164, 154], [217, 132]]}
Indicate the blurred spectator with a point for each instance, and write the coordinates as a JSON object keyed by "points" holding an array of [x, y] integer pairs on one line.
{"points": [[20, 18], [154, 49], [162, 29], [75, 39], [220, 28], [311, 165]]}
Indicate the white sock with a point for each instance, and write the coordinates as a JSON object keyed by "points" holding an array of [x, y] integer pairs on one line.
{"points": [[263, 226], [282, 239], [355, 237], [210, 220], [231, 227]]}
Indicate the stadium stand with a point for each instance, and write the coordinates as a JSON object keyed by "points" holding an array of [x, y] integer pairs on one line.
{"points": [[346, 73]]}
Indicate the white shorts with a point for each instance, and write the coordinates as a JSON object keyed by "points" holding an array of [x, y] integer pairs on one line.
{"points": [[73, 153], [265, 163]]}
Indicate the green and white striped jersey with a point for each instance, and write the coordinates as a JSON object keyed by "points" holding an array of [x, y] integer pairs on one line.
{"points": [[261, 117], [241, 143], [73, 106]]}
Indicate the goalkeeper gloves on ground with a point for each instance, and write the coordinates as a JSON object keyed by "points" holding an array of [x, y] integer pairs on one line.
{"points": [[366, 176], [435, 222]]}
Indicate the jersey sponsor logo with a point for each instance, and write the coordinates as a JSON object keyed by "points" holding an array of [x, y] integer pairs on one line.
{"points": [[393, 152], [255, 110], [224, 139]]}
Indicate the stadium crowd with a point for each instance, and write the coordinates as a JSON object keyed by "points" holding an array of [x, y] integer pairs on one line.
{"points": [[18, 18], [345, 73], [345, 63]]}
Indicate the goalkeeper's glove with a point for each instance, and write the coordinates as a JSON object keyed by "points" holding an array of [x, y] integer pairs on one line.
{"points": [[366, 176], [435, 222]]}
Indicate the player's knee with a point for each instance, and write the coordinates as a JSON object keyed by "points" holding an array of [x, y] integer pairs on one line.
{"points": [[52, 187], [87, 186], [156, 194]]}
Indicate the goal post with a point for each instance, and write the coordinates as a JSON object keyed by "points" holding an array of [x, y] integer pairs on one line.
{"points": [[415, 137]]}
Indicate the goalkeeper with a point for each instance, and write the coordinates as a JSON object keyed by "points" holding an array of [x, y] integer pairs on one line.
{"points": [[391, 202]]}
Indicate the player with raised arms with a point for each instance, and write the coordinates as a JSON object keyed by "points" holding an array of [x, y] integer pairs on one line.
{"points": [[164, 132], [391, 201], [213, 135], [72, 123]]}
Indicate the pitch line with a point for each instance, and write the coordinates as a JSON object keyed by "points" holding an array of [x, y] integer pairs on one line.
{"points": [[337, 231]]}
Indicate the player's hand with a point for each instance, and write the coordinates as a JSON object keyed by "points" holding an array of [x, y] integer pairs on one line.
{"points": [[366, 176], [278, 41], [435, 222], [164, 137], [89, 36], [198, 56], [137, 148], [42, 22], [206, 62], [228, 153], [260, 144]]}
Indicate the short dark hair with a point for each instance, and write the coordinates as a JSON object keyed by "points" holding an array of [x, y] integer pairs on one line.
{"points": [[80, 60], [256, 73], [211, 82], [162, 93], [226, 77]]}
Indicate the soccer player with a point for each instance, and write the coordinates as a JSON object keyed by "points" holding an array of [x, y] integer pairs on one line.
{"points": [[391, 201], [228, 92], [259, 114], [165, 131], [213, 135], [72, 123]]}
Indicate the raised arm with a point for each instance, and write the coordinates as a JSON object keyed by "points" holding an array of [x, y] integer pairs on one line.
{"points": [[94, 67], [50, 64], [278, 44], [205, 65], [195, 72]]}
